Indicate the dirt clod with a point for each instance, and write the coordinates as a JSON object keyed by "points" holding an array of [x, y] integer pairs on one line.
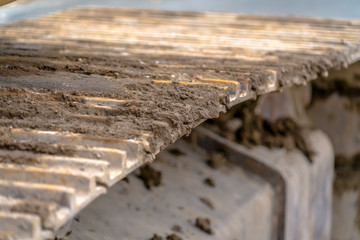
{"points": [[150, 176], [210, 182], [173, 237], [67, 236], [177, 228], [255, 130], [207, 202], [204, 224], [216, 160], [156, 237]]}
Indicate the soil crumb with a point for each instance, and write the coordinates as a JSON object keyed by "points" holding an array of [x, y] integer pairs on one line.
{"points": [[156, 237], [216, 160], [207, 202], [177, 228], [210, 182], [176, 152], [173, 237], [126, 179], [150, 176], [67, 235], [204, 224], [252, 130]]}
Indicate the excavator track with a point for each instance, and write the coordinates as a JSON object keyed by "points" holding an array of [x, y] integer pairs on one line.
{"points": [[90, 94]]}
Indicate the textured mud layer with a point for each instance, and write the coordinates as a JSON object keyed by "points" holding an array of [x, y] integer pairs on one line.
{"points": [[46, 90], [212, 45], [241, 124], [165, 83], [45, 75], [165, 111]]}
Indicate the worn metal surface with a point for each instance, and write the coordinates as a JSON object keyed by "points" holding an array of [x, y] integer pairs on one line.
{"points": [[249, 188], [240, 203], [302, 199], [88, 95]]}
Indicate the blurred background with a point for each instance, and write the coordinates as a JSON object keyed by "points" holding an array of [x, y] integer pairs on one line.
{"points": [[313, 8]]}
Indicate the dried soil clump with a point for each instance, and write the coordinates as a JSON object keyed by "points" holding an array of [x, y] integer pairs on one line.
{"points": [[67, 236], [210, 182], [173, 237], [252, 130], [216, 160], [207, 202], [150, 176], [126, 179], [156, 237], [204, 224], [177, 228]]}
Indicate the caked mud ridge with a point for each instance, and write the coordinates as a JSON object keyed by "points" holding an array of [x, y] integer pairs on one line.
{"points": [[243, 125], [166, 112], [89, 95]]}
